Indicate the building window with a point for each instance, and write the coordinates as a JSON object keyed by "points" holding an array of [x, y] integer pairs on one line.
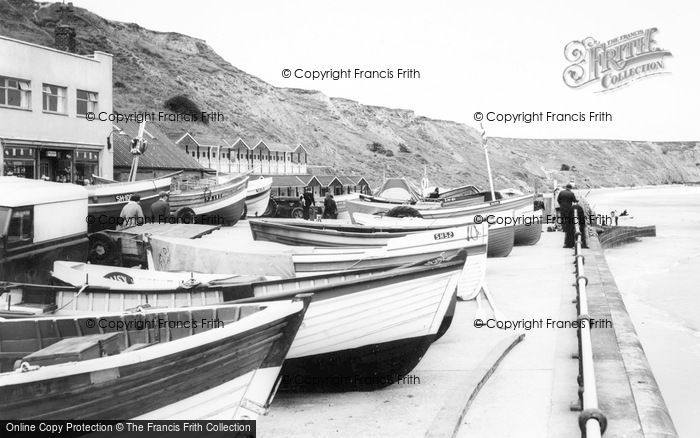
{"points": [[14, 93], [54, 99], [86, 102], [86, 165]]}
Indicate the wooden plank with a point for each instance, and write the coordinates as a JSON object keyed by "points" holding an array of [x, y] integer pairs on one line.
{"points": [[185, 231]]}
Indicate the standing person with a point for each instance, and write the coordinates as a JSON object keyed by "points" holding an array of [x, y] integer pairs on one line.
{"points": [[581, 220], [131, 214], [330, 209], [302, 201], [309, 205], [160, 210], [566, 201]]}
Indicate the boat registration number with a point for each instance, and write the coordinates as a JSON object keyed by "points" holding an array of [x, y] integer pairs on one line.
{"points": [[445, 235], [123, 198]]}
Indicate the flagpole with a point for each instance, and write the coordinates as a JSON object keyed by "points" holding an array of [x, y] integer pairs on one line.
{"points": [[484, 139]]}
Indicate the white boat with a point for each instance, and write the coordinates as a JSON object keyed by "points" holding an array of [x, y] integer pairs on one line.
{"points": [[361, 324], [257, 197], [501, 225]]}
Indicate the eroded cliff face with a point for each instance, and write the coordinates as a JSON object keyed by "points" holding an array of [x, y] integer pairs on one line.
{"points": [[150, 67]]}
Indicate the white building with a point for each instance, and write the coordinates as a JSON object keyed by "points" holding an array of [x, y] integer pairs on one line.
{"points": [[45, 98]]}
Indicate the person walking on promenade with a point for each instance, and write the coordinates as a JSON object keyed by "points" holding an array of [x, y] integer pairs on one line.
{"points": [[161, 208], [330, 209], [566, 201], [132, 214], [580, 213]]}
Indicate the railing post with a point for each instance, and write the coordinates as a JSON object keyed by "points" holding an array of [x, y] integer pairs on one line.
{"points": [[592, 421]]}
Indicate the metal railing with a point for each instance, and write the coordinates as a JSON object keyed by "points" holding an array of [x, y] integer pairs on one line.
{"points": [[591, 420]]}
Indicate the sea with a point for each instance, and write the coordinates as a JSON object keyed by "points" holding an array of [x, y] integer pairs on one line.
{"points": [[659, 278]]}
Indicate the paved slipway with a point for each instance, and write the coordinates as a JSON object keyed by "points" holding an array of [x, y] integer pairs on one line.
{"points": [[488, 382]]}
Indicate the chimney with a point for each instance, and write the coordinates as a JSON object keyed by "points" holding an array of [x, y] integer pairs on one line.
{"points": [[65, 38]]}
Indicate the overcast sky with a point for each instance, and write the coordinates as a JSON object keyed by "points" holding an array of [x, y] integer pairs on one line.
{"points": [[504, 57]]}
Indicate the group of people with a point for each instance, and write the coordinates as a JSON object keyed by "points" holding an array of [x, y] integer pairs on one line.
{"points": [[132, 213], [308, 202]]}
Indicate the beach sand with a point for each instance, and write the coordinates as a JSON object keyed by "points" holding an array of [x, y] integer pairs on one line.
{"points": [[658, 279]]}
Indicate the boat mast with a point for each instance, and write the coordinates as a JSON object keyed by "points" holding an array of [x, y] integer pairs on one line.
{"points": [[484, 139], [138, 147]]}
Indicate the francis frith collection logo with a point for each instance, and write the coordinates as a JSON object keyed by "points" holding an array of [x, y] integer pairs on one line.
{"points": [[616, 62]]}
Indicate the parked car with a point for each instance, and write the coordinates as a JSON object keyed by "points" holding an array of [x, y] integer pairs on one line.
{"points": [[285, 206]]}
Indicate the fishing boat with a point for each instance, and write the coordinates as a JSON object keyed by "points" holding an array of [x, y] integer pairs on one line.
{"points": [[520, 205], [257, 197], [214, 254], [364, 328], [210, 363], [501, 229], [215, 200], [105, 201]]}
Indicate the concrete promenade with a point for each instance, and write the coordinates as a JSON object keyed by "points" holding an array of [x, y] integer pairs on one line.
{"points": [[491, 382]]}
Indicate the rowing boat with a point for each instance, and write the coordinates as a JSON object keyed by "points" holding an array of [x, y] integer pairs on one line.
{"points": [[364, 329], [210, 363]]}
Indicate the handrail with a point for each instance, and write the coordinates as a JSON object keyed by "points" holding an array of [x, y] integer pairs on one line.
{"points": [[591, 420]]}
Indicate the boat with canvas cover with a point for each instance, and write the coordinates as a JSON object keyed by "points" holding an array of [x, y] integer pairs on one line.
{"points": [[216, 255], [210, 363], [336, 234], [364, 328]]}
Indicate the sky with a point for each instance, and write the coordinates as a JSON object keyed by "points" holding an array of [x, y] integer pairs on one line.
{"points": [[491, 57]]}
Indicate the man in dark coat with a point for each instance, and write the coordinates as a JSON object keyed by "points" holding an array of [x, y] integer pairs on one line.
{"points": [[566, 201], [309, 205], [330, 209], [161, 208]]}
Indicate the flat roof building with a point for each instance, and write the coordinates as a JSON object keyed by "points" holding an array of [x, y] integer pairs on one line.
{"points": [[47, 98]]}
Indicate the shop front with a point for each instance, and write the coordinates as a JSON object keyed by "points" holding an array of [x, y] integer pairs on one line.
{"points": [[64, 163]]}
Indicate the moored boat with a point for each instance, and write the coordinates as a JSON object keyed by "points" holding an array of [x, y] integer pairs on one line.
{"points": [[211, 254], [212, 362], [501, 228], [107, 200], [257, 197], [364, 329], [216, 200]]}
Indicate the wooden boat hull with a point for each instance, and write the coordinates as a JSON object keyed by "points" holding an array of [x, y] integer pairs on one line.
{"points": [[105, 201], [501, 241], [529, 231], [514, 203], [235, 366], [299, 233], [257, 197], [397, 307], [221, 203]]}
